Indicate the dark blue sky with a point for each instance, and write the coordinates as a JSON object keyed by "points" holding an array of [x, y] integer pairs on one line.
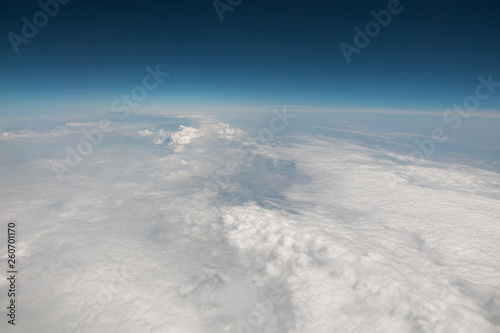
{"points": [[263, 53]]}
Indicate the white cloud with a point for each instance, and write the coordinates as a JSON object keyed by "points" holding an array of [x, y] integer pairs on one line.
{"points": [[182, 137], [357, 243], [34, 133], [158, 137]]}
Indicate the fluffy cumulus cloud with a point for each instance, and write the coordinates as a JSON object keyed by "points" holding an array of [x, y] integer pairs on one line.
{"points": [[202, 228]]}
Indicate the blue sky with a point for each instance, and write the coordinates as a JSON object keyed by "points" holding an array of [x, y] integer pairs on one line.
{"points": [[263, 53]]}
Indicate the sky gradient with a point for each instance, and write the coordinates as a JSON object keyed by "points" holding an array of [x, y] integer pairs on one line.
{"points": [[264, 53]]}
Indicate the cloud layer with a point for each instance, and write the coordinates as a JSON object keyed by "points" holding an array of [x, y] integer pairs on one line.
{"points": [[310, 234]]}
